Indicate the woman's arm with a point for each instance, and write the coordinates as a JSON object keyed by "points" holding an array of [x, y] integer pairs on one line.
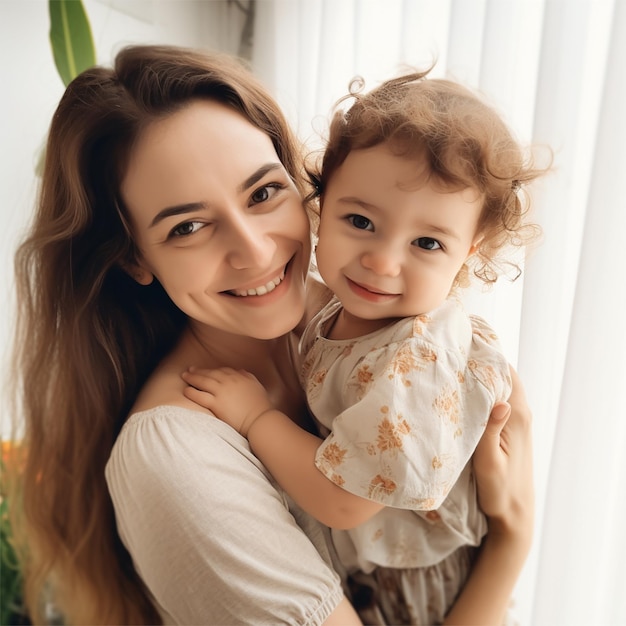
{"points": [[343, 615], [504, 472]]}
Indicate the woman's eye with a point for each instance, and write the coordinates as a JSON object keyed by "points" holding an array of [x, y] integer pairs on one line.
{"points": [[360, 222], [427, 243], [186, 228], [265, 193]]}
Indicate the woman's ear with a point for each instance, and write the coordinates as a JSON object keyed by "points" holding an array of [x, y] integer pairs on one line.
{"points": [[138, 273]]}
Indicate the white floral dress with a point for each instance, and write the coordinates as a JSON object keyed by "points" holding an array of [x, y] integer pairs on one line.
{"points": [[402, 410]]}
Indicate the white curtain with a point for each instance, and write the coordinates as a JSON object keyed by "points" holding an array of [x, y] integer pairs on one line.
{"points": [[556, 69]]}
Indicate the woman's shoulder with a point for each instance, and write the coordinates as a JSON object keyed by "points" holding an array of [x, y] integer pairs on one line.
{"points": [[176, 438], [165, 387], [169, 452], [165, 416], [167, 432]]}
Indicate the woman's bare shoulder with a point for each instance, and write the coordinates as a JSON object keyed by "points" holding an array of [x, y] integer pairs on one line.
{"points": [[165, 387]]}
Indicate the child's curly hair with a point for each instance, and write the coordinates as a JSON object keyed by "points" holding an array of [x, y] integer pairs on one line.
{"points": [[465, 144]]}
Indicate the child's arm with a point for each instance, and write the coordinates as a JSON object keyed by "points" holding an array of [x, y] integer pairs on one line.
{"points": [[288, 451]]}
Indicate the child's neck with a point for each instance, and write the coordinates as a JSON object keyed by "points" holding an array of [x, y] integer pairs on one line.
{"points": [[348, 326]]}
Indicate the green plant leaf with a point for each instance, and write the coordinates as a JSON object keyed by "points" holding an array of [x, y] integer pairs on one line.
{"points": [[70, 38]]}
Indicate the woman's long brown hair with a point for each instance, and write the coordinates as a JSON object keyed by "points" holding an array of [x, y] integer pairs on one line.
{"points": [[87, 335]]}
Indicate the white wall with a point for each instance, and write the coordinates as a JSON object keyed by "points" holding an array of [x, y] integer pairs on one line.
{"points": [[31, 88]]}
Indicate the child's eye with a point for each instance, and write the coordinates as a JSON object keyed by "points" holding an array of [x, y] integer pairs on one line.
{"points": [[186, 228], [265, 193], [427, 243], [360, 222]]}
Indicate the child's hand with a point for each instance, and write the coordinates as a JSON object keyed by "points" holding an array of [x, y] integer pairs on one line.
{"points": [[234, 396]]}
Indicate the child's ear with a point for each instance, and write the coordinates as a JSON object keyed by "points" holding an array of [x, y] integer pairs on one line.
{"points": [[474, 247], [138, 273]]}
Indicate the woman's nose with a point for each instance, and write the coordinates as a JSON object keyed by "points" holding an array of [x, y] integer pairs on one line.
{"points": [[383, 260], [249, 243]]}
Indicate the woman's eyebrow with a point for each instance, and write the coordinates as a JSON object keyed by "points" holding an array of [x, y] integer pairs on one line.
{"points": [[179, 209], [190, 207], [258, 175]]}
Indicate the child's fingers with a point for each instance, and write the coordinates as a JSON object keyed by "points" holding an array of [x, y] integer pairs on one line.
{"points": [[221, 373], [228, 373], [204, 382], [214, 371], [203, 398]]}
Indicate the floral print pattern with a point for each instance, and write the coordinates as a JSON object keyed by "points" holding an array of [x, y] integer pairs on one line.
{"points": [[405, 407]]}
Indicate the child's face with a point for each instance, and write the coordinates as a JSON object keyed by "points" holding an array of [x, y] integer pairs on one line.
{"points": [[391, 245]]}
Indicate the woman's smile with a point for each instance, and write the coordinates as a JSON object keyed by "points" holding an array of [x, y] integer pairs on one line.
{"points": [[261, 290]]}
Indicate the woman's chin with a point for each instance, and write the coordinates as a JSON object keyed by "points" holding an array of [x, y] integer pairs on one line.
{"points": [[280, 325]]}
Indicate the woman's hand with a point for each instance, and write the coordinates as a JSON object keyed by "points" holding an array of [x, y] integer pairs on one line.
{"points": [[503, 463]]}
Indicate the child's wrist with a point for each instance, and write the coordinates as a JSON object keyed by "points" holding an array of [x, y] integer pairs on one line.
{"points": [[246, 425]]}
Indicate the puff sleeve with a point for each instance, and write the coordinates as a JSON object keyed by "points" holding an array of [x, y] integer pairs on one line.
{"points": [[210, 533]]}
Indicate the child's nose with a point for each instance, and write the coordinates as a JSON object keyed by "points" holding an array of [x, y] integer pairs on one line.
{"points": [[384, 261]]}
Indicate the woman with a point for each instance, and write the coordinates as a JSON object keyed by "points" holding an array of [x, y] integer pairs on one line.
{"points": [[170, 232]]}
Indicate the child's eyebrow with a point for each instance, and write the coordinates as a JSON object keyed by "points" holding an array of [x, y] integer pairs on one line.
{"points": [[444, 230], [361, 203], [441, 229]]}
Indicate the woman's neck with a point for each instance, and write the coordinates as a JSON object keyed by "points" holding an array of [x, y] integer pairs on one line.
{"points": [[273, 361], [216, 348]]}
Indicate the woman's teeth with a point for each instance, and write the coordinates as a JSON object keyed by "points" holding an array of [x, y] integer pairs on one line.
{"points": [[263, 289]]}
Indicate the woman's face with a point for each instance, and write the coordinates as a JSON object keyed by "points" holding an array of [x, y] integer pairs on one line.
{"points": [[218, 221]]}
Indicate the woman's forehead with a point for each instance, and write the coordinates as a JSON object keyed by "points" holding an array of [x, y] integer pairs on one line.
{"points": [[183, 155], [202, 128]]}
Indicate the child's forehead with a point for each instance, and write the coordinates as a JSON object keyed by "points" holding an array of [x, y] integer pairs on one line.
{"points": [[389, 167], [440, 165], [417, 167]]}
